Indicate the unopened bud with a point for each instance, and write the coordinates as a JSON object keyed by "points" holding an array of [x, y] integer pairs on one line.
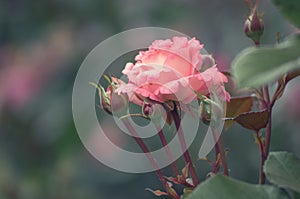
{"points": [[105, 99], [154, 111], [119, 103], [147, 109], [112, 102], [205, 112], [254, 25]]}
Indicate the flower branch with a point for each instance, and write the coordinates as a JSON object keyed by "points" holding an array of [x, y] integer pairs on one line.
{"points": [[170, 191], [183, 146]]}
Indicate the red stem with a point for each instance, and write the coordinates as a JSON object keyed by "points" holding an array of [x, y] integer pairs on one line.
{"points": [[268, 128], [262, 177], [147, 152], [266, 145], [186, 154], [168, 152], [219, 148], [223, 157]]}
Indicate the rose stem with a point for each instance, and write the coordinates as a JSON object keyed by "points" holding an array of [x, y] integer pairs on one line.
{"points": [[184, 148], [223, 156], [219, 147], [262, 177], [167, 149], [266, 146], [268, 131], [147, 152]]}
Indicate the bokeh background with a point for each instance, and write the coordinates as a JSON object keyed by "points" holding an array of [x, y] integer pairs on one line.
{"points": [[42, 44]]}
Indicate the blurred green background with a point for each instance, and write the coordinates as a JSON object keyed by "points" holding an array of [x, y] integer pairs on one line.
{"points": [[42, 44]]}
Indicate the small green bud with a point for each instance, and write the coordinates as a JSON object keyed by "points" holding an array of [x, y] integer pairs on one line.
{"points": [[205, 112], [104, 99], [112, 102]]}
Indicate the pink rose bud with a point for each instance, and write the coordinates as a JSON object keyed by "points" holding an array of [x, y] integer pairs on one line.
{"points": [[119, 104], [118, 101], [154, 111], [112, 102], [254, 25], [147, 109]]}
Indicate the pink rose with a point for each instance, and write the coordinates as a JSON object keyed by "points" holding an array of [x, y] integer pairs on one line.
{"points": [[170, 70]]}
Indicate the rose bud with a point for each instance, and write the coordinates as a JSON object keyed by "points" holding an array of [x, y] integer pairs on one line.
{"points": [[205, 112], [254, 25], [119, 104], [154, 111], [147, 109], [118, 101], [112, 102], [104, 99]]}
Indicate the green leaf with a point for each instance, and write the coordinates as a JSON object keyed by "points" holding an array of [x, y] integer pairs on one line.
{"points": [[283, 169], [186, 192], [218, 187], [255, 67], [290, 9], [296, 195]]}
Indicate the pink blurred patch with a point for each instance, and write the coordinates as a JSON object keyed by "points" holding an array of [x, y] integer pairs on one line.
{"points": [[26, 70], [291, 100], [102, 145], [223, 62]]}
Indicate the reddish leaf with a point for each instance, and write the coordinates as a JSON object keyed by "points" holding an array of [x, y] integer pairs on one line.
{"points": [[157, 192], [237, 106], [171, 192], [174, 180], [253, 120], [181, 179], [185, 171]]}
